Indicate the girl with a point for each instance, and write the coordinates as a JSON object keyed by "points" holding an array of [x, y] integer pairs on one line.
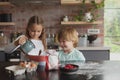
{"points": [[34, 32]]}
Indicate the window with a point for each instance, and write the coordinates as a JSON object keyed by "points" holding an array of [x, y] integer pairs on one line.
{"points": [[112, 25]]}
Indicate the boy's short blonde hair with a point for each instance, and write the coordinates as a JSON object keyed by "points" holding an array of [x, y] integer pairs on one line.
{"points": [[68, 34]]}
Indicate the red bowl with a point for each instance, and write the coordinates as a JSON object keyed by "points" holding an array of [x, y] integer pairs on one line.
{"points": [[37, 58]]}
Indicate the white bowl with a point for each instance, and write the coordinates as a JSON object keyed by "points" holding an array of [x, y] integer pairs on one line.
{"points": [[16, 69]]}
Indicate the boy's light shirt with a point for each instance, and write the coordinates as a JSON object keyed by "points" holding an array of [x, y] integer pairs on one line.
{"points": [[72, 56]]}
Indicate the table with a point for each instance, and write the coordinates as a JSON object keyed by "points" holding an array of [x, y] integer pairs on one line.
{"points": [[103, 70]]}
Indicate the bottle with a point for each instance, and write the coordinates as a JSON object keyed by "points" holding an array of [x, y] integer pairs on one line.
{"points": [[13, 36], [3, 39]]}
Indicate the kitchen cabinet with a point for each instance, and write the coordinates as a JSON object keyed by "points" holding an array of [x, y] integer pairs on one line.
{"points": [[71, 2], [96, 55], [7, 57], [7, 22], [95, 52], [15, 56], [80, 22], [2, 56]]}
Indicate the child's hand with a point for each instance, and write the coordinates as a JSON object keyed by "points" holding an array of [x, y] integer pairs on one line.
{"points": [[21, 40]]}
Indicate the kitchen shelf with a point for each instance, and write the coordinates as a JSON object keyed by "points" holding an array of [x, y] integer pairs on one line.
{"points": [[6, 4], [69, 2], [80, 22], [7, 23], [116, 43]]}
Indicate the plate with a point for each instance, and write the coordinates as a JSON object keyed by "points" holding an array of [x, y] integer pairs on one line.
{"points": [[69, 68]]}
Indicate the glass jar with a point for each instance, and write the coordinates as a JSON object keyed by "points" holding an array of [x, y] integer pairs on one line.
{"points": [[3, 39]]}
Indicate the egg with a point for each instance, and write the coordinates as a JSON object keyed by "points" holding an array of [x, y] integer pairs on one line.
{"points": [[22, 64]]}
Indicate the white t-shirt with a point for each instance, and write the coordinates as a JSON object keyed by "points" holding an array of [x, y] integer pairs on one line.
{"points": [[38, 46]]}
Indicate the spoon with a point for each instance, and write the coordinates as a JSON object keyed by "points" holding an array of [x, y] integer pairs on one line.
{"points": [[15, 49], [40, 52]]}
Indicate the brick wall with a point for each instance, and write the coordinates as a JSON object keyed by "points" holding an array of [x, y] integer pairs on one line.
{"points": [[51, 15]]}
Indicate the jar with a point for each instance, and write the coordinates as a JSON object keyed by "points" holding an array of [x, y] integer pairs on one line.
{"points": [[65, 18], [3, 39], [88, 16], [83, 40]]}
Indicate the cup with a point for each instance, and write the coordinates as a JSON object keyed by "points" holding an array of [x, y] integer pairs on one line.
{"points": [[27, 46], [41, 65]]}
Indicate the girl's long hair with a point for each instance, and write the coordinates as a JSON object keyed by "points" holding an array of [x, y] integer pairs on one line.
{"points": [[35, 20]]}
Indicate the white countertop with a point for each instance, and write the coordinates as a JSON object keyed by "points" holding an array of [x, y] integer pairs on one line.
{"points": [[93, 48]]}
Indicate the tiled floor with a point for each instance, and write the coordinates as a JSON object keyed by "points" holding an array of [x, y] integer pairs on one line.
{"points": [[114, 56]]}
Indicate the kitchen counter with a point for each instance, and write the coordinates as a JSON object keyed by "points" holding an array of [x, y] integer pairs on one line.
{"points": [[96, 46], [85, 48], [87, 71], [93, 48], [90, 53]]}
